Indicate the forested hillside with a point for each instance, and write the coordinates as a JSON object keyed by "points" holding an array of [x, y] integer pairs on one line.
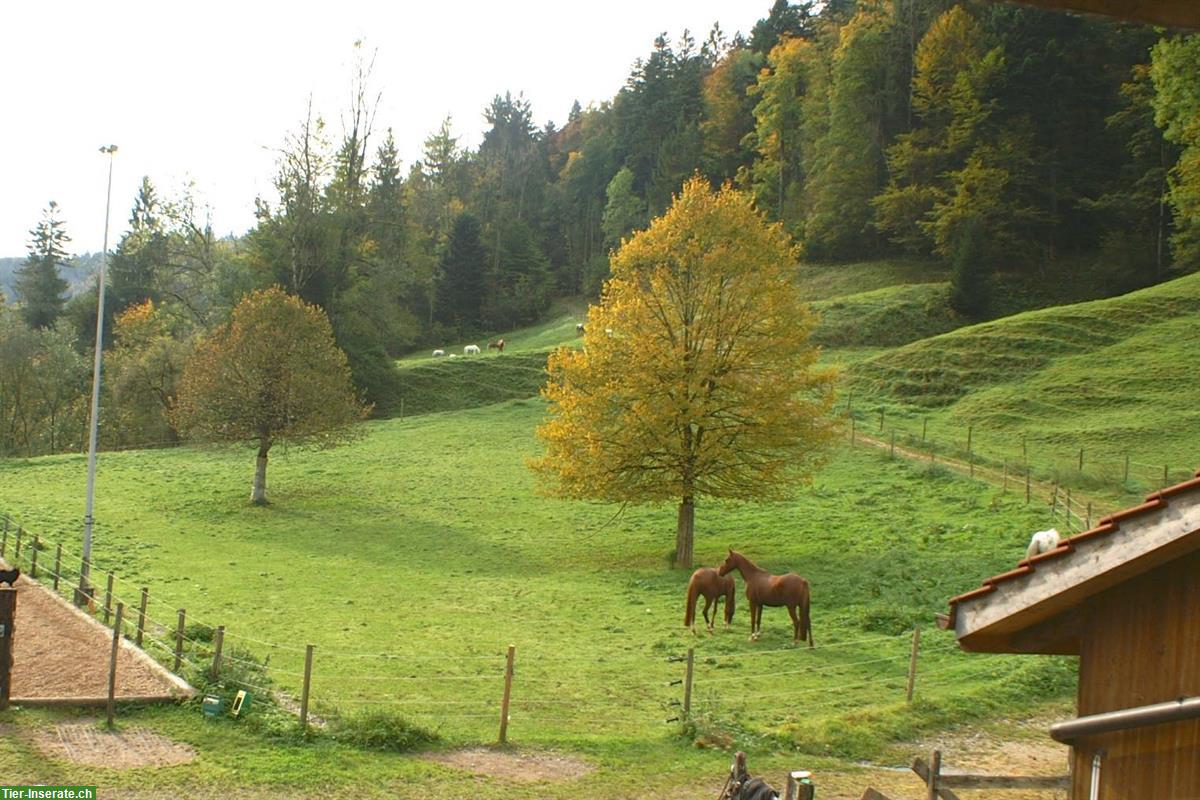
{"points": [[997, 143]]}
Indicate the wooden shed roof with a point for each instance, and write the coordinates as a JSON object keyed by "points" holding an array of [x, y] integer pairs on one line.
{"points": [[1027, 609], [1169, 13]]}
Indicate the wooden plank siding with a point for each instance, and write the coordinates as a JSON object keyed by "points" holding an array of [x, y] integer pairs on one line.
{"points": [[1142, 646]]}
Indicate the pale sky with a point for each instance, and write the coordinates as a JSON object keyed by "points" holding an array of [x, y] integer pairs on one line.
{"points": [[205, 92]]}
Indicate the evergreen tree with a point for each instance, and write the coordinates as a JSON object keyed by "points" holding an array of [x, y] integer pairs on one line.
{"points": [[140, 255], [463, 269], [39, 286], [970, 280]]}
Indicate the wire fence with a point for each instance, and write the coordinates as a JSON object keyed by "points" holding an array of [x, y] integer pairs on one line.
{"points": [[1077, 495], [484, 694], [1080, 468]]}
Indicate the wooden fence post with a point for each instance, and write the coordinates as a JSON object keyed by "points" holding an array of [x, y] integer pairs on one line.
{"points": [[892, 454], [141, 626], [1081, 459], [1088, 527], [687, 684], [935, 771], [1068, 509], [112, 665], [924, 427], [108, 598], [179, 642], [881, 419], [1166, 480], [851, 430], [218, 642], [20, 530], [308, 659], [1028, 495], [33, 557], [970, 455], [57, 565], [4, 541], [8, 613], [799, 787], [912, 664], [1126, 468], [508, 674]]}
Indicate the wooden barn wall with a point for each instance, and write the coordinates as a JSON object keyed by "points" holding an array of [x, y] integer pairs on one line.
{"points": [[1143, 647]]}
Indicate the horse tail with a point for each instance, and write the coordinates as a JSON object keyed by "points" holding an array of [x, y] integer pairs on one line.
{"points": [[807, 618], [689, 616], [730, 594]]}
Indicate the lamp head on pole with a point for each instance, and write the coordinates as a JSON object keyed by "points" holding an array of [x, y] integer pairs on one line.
{"points": [[109, 150]]}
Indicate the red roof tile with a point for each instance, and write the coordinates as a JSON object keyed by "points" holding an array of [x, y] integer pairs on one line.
{"points": [[1154, 501]]}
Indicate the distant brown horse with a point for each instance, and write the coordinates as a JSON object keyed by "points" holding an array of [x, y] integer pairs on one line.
{"points": [[705, 581], [496, 345], [765, 589]]}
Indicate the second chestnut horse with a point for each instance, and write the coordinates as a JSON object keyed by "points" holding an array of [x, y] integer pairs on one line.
{"points": [[705, 581], [765, 589]]}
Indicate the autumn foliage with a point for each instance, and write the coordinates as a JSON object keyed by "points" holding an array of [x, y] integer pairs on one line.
{"points": [[271, 374], [696, 377]]}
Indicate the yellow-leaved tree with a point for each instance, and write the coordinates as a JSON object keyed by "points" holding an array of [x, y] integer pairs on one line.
{"points": [[696, 378]]}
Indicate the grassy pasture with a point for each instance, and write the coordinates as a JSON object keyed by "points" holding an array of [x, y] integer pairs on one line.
{"points": [[415, 556], [1110, 376]]}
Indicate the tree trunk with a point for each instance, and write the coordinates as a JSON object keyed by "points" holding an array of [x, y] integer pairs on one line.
{"points": [[683, 533], [258, 495]]}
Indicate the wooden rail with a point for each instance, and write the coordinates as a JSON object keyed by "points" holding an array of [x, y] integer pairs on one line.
{"points": [[941, 784]]}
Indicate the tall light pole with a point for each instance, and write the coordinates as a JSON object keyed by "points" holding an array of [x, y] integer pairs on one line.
{"points": [[84, 591]]}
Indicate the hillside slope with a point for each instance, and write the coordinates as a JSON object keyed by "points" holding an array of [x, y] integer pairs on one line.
{"points": [[1111, 376]]}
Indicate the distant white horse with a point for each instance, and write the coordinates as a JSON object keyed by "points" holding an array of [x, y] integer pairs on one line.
{"points": [[1042, 542], [579, 327], [438, 353], [471, 350]]}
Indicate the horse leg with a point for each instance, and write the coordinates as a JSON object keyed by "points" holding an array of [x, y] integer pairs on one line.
{"points": [[708, 623], [755, 621], [795, 623]]}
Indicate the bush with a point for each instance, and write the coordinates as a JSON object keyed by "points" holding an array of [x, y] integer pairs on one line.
{"points": [[381, 729]]}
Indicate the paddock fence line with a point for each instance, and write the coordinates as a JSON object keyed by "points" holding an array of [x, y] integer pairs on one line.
{"points": [[493, 693], [1024, 469]]}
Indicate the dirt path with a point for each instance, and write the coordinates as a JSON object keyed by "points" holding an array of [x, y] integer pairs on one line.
{"points": [[1014, 482], [61, 652]]}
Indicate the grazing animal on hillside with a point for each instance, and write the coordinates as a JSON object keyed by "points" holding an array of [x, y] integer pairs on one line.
{"points": [[579, 327], [453, 355], [705, 581], [1042, 542], [471, 350], [439, 353], [765, 589], [9, 576], [496, 345]]}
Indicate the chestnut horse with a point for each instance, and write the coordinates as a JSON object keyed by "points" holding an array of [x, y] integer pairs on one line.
{"points": [[765, 589], [705, 581]]}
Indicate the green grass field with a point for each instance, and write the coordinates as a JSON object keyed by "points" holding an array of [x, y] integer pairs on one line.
{"points": [[1109, 376], [415, 556]]}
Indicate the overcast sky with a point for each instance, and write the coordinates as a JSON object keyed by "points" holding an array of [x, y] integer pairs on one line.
{"points": [[205, 92]]}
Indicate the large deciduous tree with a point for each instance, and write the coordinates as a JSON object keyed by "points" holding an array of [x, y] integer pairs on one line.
{"points": [[272, 374], [696, 377]]}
